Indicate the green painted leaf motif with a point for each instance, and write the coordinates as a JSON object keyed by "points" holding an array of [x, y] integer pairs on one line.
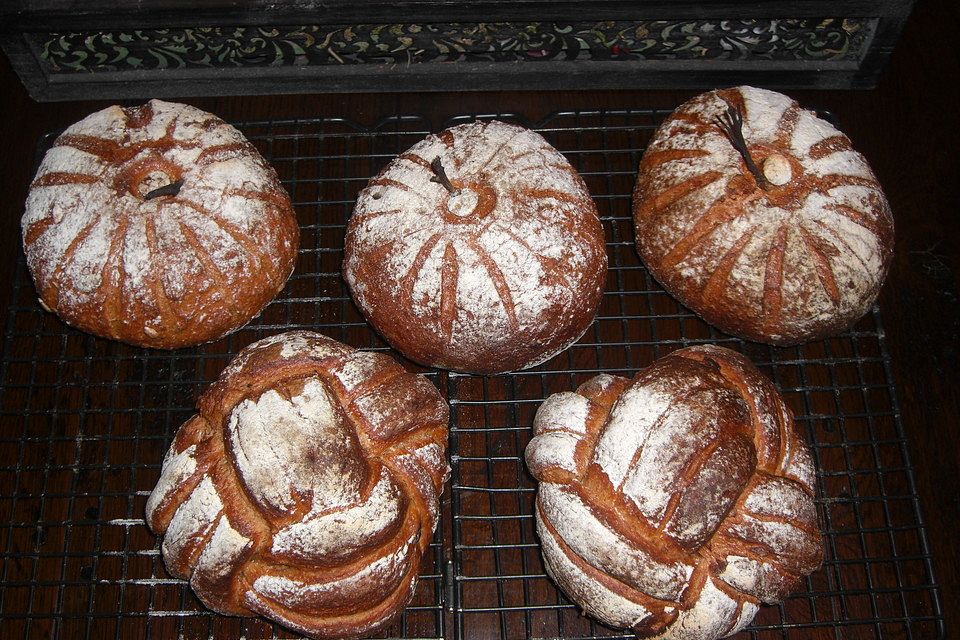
{"points": [[77, 63], [119, 54], [599, 37], [45, 50], [307, 39], [327, 39], [159, 57], [406, 43], [688, 42], [296, 48], [642, 46]]}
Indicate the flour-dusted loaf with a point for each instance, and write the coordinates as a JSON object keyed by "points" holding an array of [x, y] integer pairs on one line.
{"points": [[675, 503], [157, 225], [793, 251], [306, 488], [499, 270]]}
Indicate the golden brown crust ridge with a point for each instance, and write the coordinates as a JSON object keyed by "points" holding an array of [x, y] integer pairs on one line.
{"points": [[306, 489], [499, 272], [112, 257], [782, 261], [675, 503]]}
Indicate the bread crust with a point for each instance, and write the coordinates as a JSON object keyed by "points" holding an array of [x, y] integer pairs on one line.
{"points": [[798, 256], [306, 489], [500, 277], [173, 270], [674, 503]]}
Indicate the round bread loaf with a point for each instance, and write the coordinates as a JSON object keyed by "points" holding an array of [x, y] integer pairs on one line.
{"points": [[306, 488], [790, 249], [158, 225], [498, 270], [676, 502]]}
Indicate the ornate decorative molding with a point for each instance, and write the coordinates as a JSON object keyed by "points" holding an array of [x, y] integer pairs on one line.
{"points": [[829, 39]]}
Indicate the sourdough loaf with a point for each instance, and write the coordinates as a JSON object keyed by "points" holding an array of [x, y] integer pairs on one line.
{"points": [[306, 488], [500, 269], [157, 225], [791, 251], [675, 503]]}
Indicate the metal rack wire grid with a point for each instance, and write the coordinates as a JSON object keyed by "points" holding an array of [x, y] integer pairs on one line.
{"points": [[85, 422]]}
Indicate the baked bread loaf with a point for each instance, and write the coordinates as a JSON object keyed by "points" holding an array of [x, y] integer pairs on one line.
{"points": [[676, 502], [158, 225], [306, 488], [479, 249], [783, 241]]}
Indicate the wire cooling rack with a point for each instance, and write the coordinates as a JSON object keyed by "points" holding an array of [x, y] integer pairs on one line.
{"points": [[84, 425]]}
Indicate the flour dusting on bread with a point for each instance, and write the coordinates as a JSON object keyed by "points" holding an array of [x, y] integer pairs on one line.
{"points": [[778, 263], [672, 513], [502, 286], [314, 500], [167, 271]]}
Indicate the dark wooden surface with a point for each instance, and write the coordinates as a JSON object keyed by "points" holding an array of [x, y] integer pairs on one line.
{"points": [[908, 127], [41, 14]]}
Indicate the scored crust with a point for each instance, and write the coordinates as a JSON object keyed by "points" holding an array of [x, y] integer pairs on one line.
{"points": [[501, 276], [675, 503], [800, 257], [307, 487], [169, 271]]}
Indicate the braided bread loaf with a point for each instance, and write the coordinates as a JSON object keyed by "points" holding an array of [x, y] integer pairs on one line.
{"points": [[790, 250], [306, 489], [675, 503], [158, 225], [500, 274]]}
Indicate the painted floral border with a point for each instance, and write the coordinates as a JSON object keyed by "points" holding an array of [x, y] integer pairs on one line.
{"points": [[205, 47]]}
